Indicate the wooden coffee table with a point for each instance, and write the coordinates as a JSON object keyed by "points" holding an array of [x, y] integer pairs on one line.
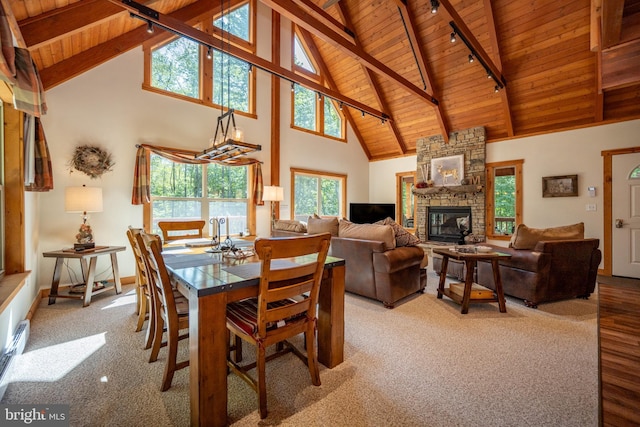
{"points": [[470, 260]]}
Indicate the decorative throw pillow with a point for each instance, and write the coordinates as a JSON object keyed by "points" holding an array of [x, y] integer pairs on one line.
{"points": [[290, 225], [317, 225], [403, 237], [378, 232], [526, 238]]}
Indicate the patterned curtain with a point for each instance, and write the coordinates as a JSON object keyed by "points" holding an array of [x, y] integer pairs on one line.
{"points": [[38, 170], [141, 180]]}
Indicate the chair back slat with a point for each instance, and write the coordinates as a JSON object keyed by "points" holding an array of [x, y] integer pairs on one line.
{"points": [[178, 230]]}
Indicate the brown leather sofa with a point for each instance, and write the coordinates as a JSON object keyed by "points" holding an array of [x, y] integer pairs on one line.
{"points": [[551, 271], [546, 264], [375, 271]]}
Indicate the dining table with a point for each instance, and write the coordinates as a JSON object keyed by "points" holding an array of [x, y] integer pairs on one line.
{"points": [[211, 280]]}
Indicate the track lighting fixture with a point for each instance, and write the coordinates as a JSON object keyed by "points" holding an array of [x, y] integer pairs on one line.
{"points": [[453, 37], [340, 106], [471, 59], [319, 97], [149, 27], [497, 89], [293, 87], [489, 76], [434, 6], [209, 53], [362, 113]]}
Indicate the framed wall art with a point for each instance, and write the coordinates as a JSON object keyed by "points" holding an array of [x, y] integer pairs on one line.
{"points": [[447, 171], [560, 186]]}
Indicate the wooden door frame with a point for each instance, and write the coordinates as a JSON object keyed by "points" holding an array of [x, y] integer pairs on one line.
{"points": [[607, 158]]}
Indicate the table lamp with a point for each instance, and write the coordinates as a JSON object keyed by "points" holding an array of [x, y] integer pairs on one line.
{"points": [[83, 200], [272, 193]]}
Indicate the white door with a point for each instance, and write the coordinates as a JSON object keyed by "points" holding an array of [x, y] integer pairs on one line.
{"points": [[626, 215]]}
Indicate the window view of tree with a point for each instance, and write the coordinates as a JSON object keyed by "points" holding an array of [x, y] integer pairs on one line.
{"points": [[177, 193], [332, 121], [174, 68], [505, 203], [230, 82], [304, 115], [235, 22], [324, 119], [317, 194]]}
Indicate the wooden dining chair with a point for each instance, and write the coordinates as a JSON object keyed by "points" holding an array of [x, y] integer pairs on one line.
{"points": [[178, 230], [286, 306], [143, 294], [172, 310]]}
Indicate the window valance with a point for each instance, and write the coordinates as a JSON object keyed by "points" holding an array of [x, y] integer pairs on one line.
{"points": [[141, 185]]}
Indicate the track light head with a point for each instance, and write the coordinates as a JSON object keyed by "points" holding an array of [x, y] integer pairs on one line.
{"points": [[209, 53], [496, 89], [434, 6], [150, 27], [293, 87], [471, 58], [453, 37]]}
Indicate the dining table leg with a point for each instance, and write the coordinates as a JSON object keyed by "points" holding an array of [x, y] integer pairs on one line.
{"points": [[208, 359], [331, 317]]}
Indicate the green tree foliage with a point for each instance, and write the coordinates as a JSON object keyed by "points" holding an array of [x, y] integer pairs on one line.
{"points": [[332, 120], [230, 82], [305, 108], [226, 182], [505, 196], [174, 68], [306, 196], [330, 197], [235, 22]]}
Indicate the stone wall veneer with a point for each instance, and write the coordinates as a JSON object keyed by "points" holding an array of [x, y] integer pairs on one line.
{"points": [[471, 143]]}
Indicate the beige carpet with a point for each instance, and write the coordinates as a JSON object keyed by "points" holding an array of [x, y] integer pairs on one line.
{"points": [[420, 364]]}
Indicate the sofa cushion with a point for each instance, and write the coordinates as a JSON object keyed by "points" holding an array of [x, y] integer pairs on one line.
{"points": [[403, 237], [317, 225], [526, 238], [377, 232], [290, 225]]}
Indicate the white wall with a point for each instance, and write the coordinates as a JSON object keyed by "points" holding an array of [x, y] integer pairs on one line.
{"points": [[562, 153], [107, 107]]}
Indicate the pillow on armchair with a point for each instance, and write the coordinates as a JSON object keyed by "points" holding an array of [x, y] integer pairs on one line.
{"points": [[526, 238]]}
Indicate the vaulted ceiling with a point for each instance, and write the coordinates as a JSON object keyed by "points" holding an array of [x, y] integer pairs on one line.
{"points": [[557, 64]]}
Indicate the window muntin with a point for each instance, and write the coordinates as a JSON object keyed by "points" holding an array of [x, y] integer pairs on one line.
{"points": [[317, 193], [174, 68], [504, 198], [177, 193]]}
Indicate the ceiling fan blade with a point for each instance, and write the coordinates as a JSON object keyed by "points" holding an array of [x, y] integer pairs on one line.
{"points": [[329, 3]]}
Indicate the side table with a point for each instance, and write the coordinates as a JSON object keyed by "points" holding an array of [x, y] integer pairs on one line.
{"points": [[88, 259], [470, 260]]}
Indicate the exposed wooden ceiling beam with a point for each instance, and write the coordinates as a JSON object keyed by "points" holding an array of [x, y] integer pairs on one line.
{"points": [[495, 45], [377, 92], [344, 30], [55, 24], [611, 22], [306, 20], [177, 26], [451, 15], [88, 59], [421, 62], [620, 65]]}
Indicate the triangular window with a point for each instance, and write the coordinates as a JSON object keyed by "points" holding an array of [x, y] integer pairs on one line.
{"points": [[300, 57]]}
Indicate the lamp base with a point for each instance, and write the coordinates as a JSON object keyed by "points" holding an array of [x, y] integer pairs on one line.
{"points": [[83, 246]]}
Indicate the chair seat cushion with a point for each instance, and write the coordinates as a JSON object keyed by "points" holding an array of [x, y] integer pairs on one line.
{"points": [[244, 315]]}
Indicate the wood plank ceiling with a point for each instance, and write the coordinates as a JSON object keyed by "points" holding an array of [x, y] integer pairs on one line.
{"points": [[564, 64]]}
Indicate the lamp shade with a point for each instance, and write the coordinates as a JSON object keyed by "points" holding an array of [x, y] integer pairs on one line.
{"points": [[83, 199], [272, 193]]}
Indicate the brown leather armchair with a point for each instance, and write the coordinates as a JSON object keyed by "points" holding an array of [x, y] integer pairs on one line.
{"points": [[551, 271]]}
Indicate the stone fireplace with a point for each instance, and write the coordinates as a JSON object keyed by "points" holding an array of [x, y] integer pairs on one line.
{"points": [[469, 195]]}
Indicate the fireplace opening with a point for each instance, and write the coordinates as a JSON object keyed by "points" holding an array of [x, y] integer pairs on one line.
{"points": [[448, 223]]}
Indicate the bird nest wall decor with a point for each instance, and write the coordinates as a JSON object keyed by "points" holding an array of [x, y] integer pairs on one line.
{"points": [[91, 160]]}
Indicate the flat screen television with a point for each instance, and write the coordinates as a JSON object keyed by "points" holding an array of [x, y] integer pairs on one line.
{"points": [[368, 213]]}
